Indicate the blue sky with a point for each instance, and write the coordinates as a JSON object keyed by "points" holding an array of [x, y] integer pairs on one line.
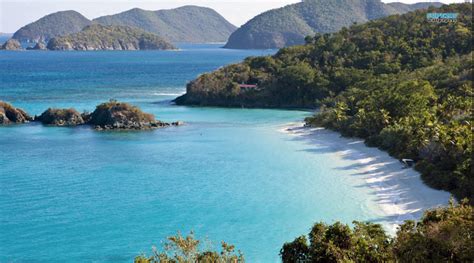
{"points": [[17, 13]]}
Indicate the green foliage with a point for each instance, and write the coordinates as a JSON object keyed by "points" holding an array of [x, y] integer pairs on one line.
{"points": [[442, 235], [367, 242], [290, 25], [296, 83], [98, 37], [402, 83], [185, 24], [419, 115], [180, 249], [52, 25]]}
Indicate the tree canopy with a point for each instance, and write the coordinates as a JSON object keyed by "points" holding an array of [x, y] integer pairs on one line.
{"points": [[442, 235]]}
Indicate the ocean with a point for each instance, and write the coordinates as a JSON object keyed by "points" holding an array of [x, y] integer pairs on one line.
{"points": [[79, 195]]}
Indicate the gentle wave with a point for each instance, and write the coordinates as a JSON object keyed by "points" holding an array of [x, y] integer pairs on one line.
{"points": [[168, 94]]}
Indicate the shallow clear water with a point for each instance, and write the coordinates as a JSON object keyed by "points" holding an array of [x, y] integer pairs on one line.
{"points": [[77, 195]]}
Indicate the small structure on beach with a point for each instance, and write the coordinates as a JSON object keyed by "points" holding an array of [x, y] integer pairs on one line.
{"points": [[407, 163]]}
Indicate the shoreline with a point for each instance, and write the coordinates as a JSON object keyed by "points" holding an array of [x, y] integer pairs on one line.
{"points": [[400, 194]]}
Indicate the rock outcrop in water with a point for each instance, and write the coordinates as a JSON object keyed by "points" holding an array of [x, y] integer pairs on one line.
{"points": [[38, 46], [11, 44], [114, 115], [99, 37], [10, 114], [61, 117]]}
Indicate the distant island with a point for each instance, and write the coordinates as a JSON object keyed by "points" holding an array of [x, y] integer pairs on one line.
{"points": [[190, 24], [99, 37], [402, 83], [290, 25], [53, 25]]}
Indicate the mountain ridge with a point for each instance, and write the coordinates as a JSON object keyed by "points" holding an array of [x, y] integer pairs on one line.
{"points": [[289, 25], [192, 24], [182, 24], [52, 25]]}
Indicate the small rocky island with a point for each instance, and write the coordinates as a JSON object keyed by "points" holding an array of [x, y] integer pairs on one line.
{"points": [[11, 115], [61, 117], [99, 37], [112, 115], [11, 44]]}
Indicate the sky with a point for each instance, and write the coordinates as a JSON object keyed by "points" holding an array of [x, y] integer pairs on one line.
{"points": [[17, 13]]}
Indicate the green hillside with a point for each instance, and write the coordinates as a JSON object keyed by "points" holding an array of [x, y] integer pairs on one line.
{"points": [[402, 83], [190, 24], [99, 37], [53, 25], [289, 25]]}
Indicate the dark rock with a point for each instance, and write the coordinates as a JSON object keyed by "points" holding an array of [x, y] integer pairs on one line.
{"points": [[10, 114], [111, 115], [11, 44], [38, 46], [115, 115], [61, 117]]}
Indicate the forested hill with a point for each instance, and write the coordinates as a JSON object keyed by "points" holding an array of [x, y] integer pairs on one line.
{"points": [[52, 25], [190, 24], [291, 24], [401, 82], [99, 37]]}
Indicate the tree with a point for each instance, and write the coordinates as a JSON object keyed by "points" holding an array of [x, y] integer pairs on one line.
{"points": [[185, 249], [444, 234]]}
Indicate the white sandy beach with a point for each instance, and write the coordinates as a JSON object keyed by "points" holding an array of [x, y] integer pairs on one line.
{"points": [[401, 194]]}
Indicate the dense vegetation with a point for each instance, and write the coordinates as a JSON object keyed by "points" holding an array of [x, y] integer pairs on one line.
{"points": [[181, 249], [290, 25], [185, 24], [52, 25], [442, 235], [402, 83], [99, 37]]}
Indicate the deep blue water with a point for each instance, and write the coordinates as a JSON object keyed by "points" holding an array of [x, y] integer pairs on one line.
{"points": [[78, 195]]}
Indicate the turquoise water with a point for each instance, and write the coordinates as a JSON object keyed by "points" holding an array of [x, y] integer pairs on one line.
{"points": [[77, 195]]}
